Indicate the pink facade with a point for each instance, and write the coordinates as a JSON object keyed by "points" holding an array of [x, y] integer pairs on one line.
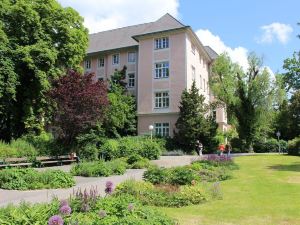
{"points": [[166, 62]]}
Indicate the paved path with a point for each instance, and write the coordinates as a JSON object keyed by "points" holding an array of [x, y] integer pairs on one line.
{"points": [[45, 195]]}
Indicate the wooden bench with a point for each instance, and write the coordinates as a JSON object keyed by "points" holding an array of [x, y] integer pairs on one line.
{"points": [[41, 161]]}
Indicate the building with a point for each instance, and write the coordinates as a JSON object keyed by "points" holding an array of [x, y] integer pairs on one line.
{"points": [[162, 58]]}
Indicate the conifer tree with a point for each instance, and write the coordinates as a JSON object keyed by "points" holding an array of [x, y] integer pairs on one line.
{"points": [[194, 122]]}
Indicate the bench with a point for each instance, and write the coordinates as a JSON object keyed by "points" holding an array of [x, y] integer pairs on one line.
{"points": [[41, 161]]}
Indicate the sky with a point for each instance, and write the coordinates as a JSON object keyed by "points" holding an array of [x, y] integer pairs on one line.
{"points": [[267, 27]]}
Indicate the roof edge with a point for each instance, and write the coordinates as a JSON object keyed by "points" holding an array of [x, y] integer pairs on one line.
{"points": [[136, 37]]}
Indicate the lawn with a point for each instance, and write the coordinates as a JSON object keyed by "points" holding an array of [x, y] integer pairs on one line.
{"points": [[264, 191]]}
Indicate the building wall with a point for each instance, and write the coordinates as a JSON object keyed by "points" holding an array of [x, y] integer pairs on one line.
{"points": [[108, 69], [148, 85], [199, 61]]}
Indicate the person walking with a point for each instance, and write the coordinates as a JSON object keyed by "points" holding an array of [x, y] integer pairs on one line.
{"points": [[199, 147], [221, 148], [228, 149]]}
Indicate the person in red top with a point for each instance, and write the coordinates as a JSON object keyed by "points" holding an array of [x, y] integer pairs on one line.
{"points": [[221, 148]]}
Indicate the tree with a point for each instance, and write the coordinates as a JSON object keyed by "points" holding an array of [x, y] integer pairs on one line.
{"points": [[39, 40], [81, 103], [249, 96], [292, 76], [121, 117], [294, 110], [194, 122]]}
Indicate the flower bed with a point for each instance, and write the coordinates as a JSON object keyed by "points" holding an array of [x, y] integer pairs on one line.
{"points": [[30, 179], [86, 208]]}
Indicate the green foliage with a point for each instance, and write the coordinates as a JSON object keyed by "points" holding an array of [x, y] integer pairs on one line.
{"points": [[249, 96], [126, 146], [157, 175], [99, 168], [17, 148], [137, 162], [121, 115], [193, 124], [270, 145], [43, 143], [29, 179], [34, 51], [291, 77], [164, 195], [294, 146], [115, 208], [182, 176]]}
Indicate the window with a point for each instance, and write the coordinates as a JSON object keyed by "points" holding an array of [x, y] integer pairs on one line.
{"points": [[193, 73], [161, 43], [214, 114], [200, 81], [162, 70], [131, 80], [204, 85], [101, 79], [193, 48], [207, 86], [115, 59], [131, 57], [162, 100], [100, 62], [87, 64], [162, 129], [203, 61]]}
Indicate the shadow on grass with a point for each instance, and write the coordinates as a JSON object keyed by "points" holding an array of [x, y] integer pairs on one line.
{"points": [[295, 167]]}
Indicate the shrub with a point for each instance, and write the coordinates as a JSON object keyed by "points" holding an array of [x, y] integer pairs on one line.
{"points": [[29, 179], [17, 148], [294, 146], [124, 209], [99, 168], [162, 195], [126, 146], [110, 149], [43, 143], [89, 152], [137, 162], [182, 176], [157, 175], [270, 145]]}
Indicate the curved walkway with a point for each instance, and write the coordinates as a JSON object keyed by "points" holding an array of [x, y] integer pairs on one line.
{"points": [[46, 195]]}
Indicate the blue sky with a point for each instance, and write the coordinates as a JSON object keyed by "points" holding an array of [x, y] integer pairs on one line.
{"points": [[238, 23], [268, 27]]}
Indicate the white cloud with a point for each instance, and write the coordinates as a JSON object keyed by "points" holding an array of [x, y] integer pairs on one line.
{"points": [[238, 54], [279, 31], [102, 15]]}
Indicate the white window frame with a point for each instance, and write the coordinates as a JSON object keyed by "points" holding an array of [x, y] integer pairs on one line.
{"points": [[161, 43], [161, 100], [88, 64], [162, 70], [204, 84], [131, 57], [200, 81], [131, 80], [162, 129], [193, 73], [101, 62], [115, 59]]}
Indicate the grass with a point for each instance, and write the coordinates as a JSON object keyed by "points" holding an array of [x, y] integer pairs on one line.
{"points": [[264, 191]]}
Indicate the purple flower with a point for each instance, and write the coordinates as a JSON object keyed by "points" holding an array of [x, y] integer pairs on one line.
{"points": [[55, 220], [109, 187], [85, 207], [63, 203], [130, 207], [102, 214], [65, 210]]}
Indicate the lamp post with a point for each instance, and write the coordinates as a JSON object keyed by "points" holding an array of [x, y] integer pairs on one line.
{"points": [[278, 136], [151, 130]]}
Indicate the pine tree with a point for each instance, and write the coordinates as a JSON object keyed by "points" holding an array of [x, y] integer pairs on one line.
{"points": [[194, 122]]}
